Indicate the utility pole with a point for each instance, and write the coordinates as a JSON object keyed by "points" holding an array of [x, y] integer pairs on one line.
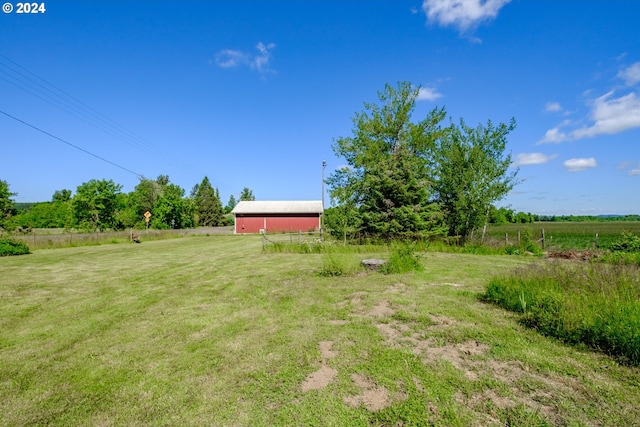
{"points": [[324, 165]]}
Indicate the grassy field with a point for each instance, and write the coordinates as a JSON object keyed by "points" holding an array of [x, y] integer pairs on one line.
{"points": [[567, 235], [213, 331]]}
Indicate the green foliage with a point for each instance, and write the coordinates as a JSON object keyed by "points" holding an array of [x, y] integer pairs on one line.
{"points": [[418, 180], [172, 210], [95, 204], [56, 214], [230, 204], [628, 242], [593, 304], [247, 195], [7, 208], [334, 264], [208, 206], [146, 194], [13, 247], [402, 259], [61, 196], [623, 258], [470, 173], [387, 179]]}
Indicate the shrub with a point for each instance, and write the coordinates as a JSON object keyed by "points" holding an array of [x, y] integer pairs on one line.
{"points": [[402, 259], [628, 242], [13, 247]]}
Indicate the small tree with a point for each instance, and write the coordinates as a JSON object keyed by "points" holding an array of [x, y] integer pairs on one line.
{"points": [[230, 204], [247, 195], [7, 208], [470, 173]]}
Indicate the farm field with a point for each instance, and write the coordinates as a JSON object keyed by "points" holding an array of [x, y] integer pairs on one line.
{"points": [[211, 330], [567, 235]]}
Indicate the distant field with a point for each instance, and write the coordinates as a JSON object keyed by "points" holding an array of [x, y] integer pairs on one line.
{"points": [[212, 331], [567, 235]]}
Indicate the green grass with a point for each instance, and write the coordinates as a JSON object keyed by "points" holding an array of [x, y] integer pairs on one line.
{"points": [[595, 304], [214, 331], [568, 235]]}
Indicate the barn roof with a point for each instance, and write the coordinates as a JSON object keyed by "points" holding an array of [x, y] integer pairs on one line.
{"points": [[278, 207]]}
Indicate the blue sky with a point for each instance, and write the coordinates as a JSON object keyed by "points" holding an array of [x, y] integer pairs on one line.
{"points": [[253, 93]]}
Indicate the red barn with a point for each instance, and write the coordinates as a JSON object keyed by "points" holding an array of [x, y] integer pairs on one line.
{"points": [[276, 217]]}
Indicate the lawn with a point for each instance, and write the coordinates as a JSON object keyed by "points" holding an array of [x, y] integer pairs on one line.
{"points": [[213, 331]]}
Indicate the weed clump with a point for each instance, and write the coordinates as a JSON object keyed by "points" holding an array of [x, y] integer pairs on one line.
{"points": [[13, 247], [579, 303], [402, 259]]}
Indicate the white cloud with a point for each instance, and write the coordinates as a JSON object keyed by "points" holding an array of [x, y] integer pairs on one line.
{"points": [[261, 62], [631, 75], [523, 159], [577, 165], [228, 58], [611, 115], [463, 14], [552, 107], [555, 135], [428, 94], [634, 172]]}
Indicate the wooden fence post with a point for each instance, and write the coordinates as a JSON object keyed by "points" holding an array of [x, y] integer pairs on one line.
{"points": [[543, 240], [506, 239]]}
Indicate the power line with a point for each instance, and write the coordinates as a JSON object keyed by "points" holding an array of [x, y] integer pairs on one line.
{"points": [[47, 92], [140, 176]]}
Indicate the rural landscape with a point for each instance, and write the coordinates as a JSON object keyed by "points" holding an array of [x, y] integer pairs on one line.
{"points": [[216, 330], [146, 308]]}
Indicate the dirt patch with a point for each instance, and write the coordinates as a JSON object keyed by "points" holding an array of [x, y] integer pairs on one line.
{"points": [[382, 309], [325, 375], [373, 397], [319, 379], [572, 254], [325, 350]]}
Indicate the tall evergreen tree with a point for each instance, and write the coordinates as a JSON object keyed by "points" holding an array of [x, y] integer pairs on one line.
{"points": [[208, 204], [388, 156], [230, 204]]}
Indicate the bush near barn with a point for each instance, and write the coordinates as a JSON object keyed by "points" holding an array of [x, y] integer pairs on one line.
{"points": [[13, 247]]}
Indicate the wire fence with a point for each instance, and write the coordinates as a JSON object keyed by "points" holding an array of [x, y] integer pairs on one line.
{"points": [[56, 238], [299, 238]]}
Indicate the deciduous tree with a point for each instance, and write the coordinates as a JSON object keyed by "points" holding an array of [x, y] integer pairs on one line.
{"points": [[172, 209], [95, 204], [470, 173], [247, 195], [6, 203]]}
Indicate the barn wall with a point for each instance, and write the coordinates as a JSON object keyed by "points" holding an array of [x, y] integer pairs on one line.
{"points": [[276, 223]]}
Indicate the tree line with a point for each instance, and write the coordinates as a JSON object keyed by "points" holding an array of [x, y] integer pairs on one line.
{"points": [[101, 205]]}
